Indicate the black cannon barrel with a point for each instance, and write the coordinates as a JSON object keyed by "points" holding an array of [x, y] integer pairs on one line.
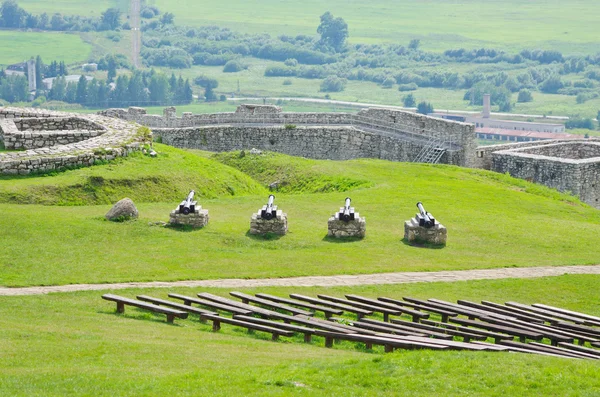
{"points": [[345, 215], [187, 206], [269, 211], [426, 219]]}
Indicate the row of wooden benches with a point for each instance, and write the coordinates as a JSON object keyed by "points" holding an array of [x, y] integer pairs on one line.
{"points": [[418, 333]]}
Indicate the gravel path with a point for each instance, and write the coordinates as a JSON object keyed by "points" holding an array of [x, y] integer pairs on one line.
{"points": [[323, 281]]}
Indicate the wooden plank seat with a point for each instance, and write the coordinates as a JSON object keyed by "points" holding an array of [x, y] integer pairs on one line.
{"points": [[560, 350], [390, 328], [389, 343], [595, 344], [229, 302], [188, 300], [467, 336], [521, 333], [313, 322], [122, 301], [375, 309], [444, 313], [350, 309], [498, 310], [459, 328], [273, 305], [415, 314], [582, 329], [547, 319], [535, 349], [450, 344], [174, 305], [571, 346], [308, 332], [593, 320], [549, 313], [514, 347], [555, 335], [470, 313], [327, 311], [217, 320]]}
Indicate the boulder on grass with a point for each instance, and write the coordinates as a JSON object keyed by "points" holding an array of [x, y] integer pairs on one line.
{"points": [[123, 210]]}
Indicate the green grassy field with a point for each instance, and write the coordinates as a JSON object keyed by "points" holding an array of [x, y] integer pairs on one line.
{"points": [[440, 24], [484, 212], [75, 344], [73, 7], [20, 46]]}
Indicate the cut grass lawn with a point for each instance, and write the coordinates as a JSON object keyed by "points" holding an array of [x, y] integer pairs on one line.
{"points": [[493, 221], [66, 344], [18, 46]]}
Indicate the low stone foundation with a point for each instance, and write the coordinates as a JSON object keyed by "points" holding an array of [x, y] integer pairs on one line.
{"points": [[277, 225], [436, 235], [197, 219], [354, 228]]}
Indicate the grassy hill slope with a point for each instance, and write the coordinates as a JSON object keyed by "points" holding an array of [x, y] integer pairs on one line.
{"points": [[493, 221]]}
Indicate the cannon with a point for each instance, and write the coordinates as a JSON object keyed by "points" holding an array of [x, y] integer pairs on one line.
{"points": [[188, 206], [269, 211], [424, 217], [346, 213]]}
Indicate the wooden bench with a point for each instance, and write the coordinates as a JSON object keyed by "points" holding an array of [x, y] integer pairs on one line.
{"points": [[592, 320], [571, 346], [373, 308], [369, 340], [555, 335], [467, 336], [217, 320], [308, 332], [229, 302], [472, 313], [188, 300], [384, 327], [415, 314], [444, 313], [174, 305], [521, 333], [121, 302], [327, 311], [548, 313], [273, 305], [547, 319], [501, 310], [359, 312], [538, 349], [458, 328]]}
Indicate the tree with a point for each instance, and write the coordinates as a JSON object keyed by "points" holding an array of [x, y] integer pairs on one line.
{"points": [[409, 101], [552, 84], [333, 31], [598, 117], [58, 90], [414, 44], [333, 84], [167, 18], [39, 71], [525, 96], [81, 94], [111, 18], [13, 16], [424, 108], [112, 68]]}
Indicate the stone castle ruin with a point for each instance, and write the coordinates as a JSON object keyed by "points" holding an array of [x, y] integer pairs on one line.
{"points": [[372, 133], [48, 140]]}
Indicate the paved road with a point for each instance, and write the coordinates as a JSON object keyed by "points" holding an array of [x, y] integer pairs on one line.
{"points": [[136, 34], [324, 281]]}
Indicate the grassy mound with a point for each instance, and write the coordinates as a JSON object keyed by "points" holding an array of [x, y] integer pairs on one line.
{"points": [[291, 174], [493, 221], [168, 177]]}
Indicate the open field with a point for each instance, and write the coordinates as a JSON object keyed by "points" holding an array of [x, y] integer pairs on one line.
{"points": [[73, 7], [487, 216], [65, 344], [19, 46], [440, 24]]}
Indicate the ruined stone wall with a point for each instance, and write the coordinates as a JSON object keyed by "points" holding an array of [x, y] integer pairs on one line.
{"points": [[109, 138], [566, 166], [333, 142]]}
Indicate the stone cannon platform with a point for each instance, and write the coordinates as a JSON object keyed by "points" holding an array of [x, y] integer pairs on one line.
{"points": [[278, 225], [413, 233], [196, 219]]}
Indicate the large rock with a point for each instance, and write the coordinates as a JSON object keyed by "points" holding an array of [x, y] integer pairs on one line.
{"points": [[123, 210]]}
